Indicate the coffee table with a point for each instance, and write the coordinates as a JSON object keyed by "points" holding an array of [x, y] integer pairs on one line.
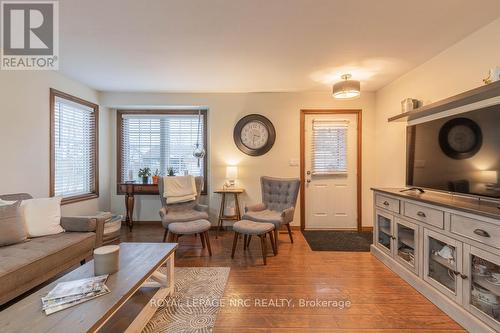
{"points": [[139, 264]]}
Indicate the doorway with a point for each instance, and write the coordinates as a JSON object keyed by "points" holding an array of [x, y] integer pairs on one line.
{"points": [[330, 169]]}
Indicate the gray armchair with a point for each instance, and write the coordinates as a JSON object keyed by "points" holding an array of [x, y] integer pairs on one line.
{"points": [[279, 196], [184, 211]]}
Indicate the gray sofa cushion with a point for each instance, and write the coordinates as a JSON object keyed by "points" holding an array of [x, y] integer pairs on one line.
{"points": [[27, 264], [188, 228], [12, 229], [252, 228]]}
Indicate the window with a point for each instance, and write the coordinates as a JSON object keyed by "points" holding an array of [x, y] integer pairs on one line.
{"points": [[73, 148], [329, 146], [160, 140]]}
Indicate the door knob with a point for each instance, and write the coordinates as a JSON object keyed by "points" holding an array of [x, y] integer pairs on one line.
{"points": [[308, 181]]}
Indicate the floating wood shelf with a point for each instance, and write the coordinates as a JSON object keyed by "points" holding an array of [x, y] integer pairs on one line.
{"points": [[472, 96]]}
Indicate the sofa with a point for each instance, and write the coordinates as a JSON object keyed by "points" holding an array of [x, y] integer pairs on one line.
{"points": [[28, 264]]}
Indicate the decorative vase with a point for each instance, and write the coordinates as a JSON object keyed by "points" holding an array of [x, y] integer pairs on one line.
{"points": [[155, 179], [145, 180], [106, 260], [493, 76]]}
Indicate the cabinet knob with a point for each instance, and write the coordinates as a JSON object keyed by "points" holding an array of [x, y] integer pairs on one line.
{"points": [[386, 203], [482, 233], [393, 237], [421, 214], [463, 276]]}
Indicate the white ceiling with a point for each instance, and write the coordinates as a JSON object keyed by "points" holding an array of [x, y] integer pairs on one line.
{"points": [[257, 45]]}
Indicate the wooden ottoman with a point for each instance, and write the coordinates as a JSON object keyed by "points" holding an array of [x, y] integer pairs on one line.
{"points": [[251, 228], [201, 227]]}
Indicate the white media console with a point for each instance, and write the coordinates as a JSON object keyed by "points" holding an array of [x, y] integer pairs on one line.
{"points": [[447, 247]]}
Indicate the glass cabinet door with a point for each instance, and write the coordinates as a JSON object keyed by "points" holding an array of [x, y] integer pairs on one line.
{"points": [[384, 231], [406, 244], [483, 290], [443, 263]]}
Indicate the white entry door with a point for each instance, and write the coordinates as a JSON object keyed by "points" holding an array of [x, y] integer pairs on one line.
{"points": [[330, 167]]}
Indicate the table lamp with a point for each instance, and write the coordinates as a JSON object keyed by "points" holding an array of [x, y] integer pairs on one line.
{"points": [[231, 176]]}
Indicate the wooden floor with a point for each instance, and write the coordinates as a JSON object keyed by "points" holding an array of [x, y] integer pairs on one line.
{"points": [[381, 301]]}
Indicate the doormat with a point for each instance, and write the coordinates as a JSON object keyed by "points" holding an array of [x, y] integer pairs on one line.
{"points": [[329, 240], [181, 313]]}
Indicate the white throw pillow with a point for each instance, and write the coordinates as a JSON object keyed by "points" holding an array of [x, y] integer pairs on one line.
{"points": [[42, 216]]}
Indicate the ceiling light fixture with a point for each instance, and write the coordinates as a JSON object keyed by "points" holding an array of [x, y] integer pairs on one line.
{"points": [[347, 88]]}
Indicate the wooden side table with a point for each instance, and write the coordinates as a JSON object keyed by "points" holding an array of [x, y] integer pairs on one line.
{"points": [[130, 189], [222, 217]]}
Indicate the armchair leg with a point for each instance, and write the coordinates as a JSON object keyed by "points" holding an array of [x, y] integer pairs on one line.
{"points": [[235, 241], [264, 248], [245, 242], [165, 235], [289, 232], [273, 244], [248, 241], [276, 238], [202, 237], [207, 240]]}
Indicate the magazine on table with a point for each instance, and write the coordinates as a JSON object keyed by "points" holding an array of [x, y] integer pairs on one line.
{"points": [[72, 301], [67, 294], [77, 287]]}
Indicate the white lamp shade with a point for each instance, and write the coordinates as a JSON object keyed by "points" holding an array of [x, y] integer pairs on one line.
{"points": [[346, 89], [487, 176], [231, 172]]}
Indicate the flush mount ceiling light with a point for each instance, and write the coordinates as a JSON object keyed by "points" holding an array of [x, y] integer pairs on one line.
{"points": [[346, 88]]}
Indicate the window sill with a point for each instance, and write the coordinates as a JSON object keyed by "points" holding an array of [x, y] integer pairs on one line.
{"points": [[78, 198]]}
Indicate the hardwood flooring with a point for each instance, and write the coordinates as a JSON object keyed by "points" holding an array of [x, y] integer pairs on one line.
{"points": [[379, 300]]}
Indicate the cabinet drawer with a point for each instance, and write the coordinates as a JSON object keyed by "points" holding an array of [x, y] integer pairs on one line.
{"points": [[427, 215], [480, 231], [387, 203]]}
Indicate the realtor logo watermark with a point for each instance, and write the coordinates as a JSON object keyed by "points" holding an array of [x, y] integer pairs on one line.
{"points": [[29, 35]]}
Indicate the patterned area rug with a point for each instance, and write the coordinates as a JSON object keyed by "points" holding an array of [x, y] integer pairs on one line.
{"points": [[195, 303]]}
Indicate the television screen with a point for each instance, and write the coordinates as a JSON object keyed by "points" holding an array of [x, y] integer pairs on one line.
{"points": [[459, 153]]}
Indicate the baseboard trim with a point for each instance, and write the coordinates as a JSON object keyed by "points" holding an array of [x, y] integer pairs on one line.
{"points": [[455, 311]]}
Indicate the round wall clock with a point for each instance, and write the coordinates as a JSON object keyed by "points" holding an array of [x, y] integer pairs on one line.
{"points": [[460, 138], [254, 135]]}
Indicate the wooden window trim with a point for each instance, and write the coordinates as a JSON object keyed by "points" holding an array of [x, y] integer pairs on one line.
{"points": [[119, 140], [94, 194]]}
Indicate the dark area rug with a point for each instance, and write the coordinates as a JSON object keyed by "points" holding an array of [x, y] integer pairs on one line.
{"points": [[349, 241]]}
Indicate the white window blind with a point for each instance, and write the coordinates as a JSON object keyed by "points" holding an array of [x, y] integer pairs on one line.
{"points": [[160, 142], [74, 148], [329, 146]]}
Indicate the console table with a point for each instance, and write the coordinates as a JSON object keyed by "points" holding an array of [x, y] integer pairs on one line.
{"points": [[445, 246], [130, 189]]}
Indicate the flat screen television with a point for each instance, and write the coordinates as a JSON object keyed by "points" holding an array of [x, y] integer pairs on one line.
{"points": [[459, 153]]}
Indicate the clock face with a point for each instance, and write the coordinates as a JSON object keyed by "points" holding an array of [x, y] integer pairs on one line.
{"points": [[254, 135], [460, 138]]}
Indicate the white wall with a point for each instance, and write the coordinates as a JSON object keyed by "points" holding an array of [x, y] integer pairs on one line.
{"points": [[24, 128], [457, 69], [283, 109]]}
